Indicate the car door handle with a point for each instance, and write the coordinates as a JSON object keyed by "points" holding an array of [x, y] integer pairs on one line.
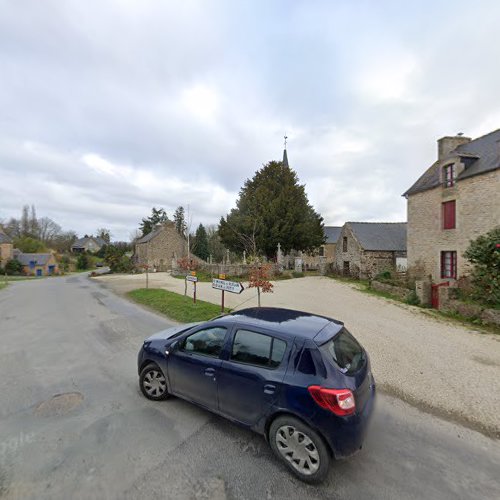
{"points": [[269, 389], [210, 372]]}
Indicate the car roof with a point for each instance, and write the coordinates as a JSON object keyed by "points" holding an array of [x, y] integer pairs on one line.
{"points": [[286, 321]]}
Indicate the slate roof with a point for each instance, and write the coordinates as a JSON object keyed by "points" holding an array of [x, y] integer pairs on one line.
{"points": [[40, 258], [4, 238], [150, 235], [332, 233], [80, 243], [479, 156], [382, 236]]}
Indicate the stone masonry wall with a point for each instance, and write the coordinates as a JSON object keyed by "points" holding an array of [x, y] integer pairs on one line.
{"points": [[160, 250], [477, 212], [353, 254], [6, 254], [373, 263]]}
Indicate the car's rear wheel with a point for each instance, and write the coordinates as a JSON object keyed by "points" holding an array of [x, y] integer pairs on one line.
{"points": [[153, 383], [300, 448]]}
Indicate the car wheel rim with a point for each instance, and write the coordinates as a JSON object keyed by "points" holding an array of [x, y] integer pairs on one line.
{"points": [[298, 449], [154, 383]]}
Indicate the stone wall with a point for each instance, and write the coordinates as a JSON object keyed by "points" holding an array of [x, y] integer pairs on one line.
{"points": [[373, 263], [448, 302], [477, 212], [159, 252], [397, 291], [352, 255], [6, 253]]}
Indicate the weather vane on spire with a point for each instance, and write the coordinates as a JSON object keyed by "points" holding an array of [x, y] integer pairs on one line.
{"points": [[286, 137]]}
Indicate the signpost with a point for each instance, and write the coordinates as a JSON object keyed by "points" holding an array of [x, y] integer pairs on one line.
{"points": [[193, 278], [227, 286]]}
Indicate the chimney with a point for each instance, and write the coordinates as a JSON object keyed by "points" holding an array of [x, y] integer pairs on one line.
{"points": [[447, 144]]}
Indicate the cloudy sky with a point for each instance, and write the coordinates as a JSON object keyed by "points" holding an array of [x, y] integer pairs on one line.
{"points": [[111, 107]]}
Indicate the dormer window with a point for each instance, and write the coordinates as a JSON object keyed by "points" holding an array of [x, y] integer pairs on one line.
{"points": [[449, 175]]}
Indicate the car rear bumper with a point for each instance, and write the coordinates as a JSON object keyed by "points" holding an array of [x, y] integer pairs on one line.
{"points": [[345, 435]]}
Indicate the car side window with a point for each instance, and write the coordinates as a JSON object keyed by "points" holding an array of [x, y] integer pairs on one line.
{"points": [[257, 349], [208, 342]]}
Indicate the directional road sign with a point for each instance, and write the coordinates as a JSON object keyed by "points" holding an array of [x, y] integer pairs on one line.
{"points": [[227, 286], [192, 278]]}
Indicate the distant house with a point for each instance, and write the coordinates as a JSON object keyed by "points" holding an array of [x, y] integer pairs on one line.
{"points": [[38, 264], [453, 202], [6, 249], [332, 234], [325, 251], [158, 248], [88, 244], [365, 249]]}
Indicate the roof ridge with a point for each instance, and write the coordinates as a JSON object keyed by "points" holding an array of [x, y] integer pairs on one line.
{"points": [[362, 222]]}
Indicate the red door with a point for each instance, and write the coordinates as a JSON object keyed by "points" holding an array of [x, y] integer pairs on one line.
{"points": [[435, 294]]}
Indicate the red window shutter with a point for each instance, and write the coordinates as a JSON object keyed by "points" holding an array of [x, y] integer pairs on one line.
{"points": [[449, 215]]}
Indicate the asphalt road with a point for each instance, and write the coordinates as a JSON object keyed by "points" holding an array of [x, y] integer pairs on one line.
{"points": [[73, 423]]}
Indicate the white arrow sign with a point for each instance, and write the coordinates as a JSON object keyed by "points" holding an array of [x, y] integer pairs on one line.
{"points": [[192, 278], [227, 286]]}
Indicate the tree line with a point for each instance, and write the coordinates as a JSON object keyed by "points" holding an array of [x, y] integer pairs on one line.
{"points": [[272, 208]]}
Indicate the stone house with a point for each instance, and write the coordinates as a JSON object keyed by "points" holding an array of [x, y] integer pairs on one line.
{"points": [[6, 249], [87, 244], [365, 249], [37, 264], [455, 200], [332, 234], [160, 247]]}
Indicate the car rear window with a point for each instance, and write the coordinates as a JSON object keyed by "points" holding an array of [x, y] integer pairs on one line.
{"points": [[345, 351]]}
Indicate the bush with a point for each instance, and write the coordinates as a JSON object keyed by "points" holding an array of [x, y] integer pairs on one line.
{"points": [[296, 274], [413, 299], [82, 262], [384, 276], [484, 254], [122, 265], [29, 245], [13, 267]]}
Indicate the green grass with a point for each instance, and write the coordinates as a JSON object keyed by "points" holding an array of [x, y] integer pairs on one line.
{"points": [[175, 306], [2, 284]]}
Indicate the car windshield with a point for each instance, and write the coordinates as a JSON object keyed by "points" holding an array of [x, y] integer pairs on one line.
{"points": [[346, 352]]}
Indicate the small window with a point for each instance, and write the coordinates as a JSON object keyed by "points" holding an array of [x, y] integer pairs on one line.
{"points": [[321, 251], [208, 342], [449, 265], [344, 244], [449, 175], [448, 209], [257, 349], [346, 352]]}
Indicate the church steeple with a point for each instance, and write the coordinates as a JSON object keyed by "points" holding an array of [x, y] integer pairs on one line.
{"points": [[285, 156]]}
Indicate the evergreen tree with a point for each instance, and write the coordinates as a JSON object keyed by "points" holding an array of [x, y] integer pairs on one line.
{"points": [[158, 216], [180, 221], [272, 208], [201, 243]]}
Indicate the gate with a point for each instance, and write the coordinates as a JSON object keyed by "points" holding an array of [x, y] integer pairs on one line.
{"points": [[435, 293]]}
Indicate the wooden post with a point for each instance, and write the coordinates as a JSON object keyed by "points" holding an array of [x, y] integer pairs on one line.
{"points": [[147, 277], [194, 293], [222, 308]]}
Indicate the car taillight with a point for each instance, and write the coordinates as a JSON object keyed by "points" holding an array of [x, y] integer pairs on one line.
{"points": [[339, 401]]}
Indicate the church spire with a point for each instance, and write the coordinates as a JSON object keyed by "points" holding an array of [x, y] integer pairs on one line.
{"points": [[285, 156]]}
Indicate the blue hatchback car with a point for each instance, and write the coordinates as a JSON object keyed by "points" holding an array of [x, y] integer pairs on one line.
{"points": [[301, 380]]}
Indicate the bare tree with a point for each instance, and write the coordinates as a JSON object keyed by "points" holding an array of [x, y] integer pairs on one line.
{"points": [[48, 229]]}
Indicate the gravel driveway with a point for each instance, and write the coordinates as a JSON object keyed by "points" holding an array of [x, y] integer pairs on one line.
{"points": [[438, 366]]}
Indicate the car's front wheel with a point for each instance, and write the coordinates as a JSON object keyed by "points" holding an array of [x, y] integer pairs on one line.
{"points": [[153, 383], [300, 448]]}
